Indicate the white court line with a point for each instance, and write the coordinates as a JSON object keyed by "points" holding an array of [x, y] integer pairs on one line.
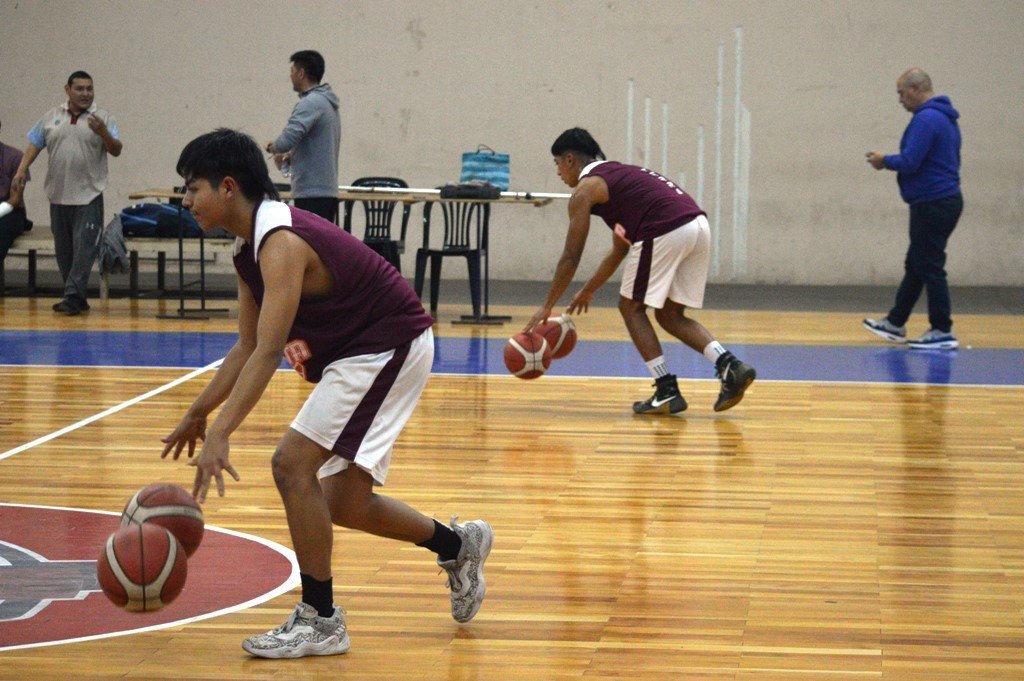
{"points": [[112, 410]]}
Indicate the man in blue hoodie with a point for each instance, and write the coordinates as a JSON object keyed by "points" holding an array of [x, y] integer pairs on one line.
{"points": [[928, 171], [311, 139]]}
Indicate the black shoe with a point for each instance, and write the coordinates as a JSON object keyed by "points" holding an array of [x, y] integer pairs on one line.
{"points": [[736, 377], [67, 307], [666, 398]]}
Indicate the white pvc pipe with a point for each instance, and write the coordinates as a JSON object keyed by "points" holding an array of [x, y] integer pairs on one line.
{"points": [[664, 138], [737, 113], [740, 244], [700, 165], [647, 132], [717, 253], [629, 121]]}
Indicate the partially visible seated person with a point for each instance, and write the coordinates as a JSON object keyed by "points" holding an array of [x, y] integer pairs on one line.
{"points": [[11, 202], [12, 218]]}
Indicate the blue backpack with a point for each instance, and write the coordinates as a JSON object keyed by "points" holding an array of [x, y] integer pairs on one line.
{"points": [[158, 220]]}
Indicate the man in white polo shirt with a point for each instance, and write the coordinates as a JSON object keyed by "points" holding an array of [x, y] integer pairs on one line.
{"points": [[78, 137]]}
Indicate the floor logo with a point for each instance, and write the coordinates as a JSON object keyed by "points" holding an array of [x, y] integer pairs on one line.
{"points": [[29, 582], [49, 592]]}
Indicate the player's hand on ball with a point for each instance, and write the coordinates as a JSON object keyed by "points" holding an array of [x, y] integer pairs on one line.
{"points": [[538, 318]]}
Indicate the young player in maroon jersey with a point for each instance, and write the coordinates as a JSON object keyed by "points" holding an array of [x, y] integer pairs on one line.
{"points": [[663, 236], [347, 321]]}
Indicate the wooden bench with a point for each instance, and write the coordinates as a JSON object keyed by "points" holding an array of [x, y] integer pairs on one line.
{"points": [[31, 245]]}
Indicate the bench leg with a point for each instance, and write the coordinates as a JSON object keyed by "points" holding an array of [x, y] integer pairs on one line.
{"points": [[161, 268], [133, 276], [32, 271]]}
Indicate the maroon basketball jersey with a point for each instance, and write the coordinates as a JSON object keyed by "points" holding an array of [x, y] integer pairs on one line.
{"points": [[646, 204], [370, 309]]}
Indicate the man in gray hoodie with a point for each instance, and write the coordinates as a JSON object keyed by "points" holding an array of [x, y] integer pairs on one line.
{"points": [[310, 140]]}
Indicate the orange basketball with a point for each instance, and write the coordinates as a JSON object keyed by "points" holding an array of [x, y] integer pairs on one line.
{"points": [[527, 355], [142, 568], [560, 333], [170, 507]]}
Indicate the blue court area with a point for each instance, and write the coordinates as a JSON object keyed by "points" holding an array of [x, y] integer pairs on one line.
{"points": [[613, 359]]}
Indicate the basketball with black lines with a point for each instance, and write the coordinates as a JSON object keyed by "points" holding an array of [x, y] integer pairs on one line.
{"points": [[170, 507], [527, 355], [142, 568]]}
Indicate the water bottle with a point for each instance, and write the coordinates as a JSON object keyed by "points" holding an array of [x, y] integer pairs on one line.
{"points": [[286, 169]]}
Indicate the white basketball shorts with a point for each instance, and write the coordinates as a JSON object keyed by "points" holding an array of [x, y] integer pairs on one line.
{"points": [[361, 404], [673, 266]]}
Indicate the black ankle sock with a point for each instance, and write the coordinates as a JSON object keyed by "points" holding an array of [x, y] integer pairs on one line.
{"points": [[318, 594], [445, 542]]}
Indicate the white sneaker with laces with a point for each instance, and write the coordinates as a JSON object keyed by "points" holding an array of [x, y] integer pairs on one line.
{"points": [[305, 633], [886, 329], [934, 339], [466, 572]]}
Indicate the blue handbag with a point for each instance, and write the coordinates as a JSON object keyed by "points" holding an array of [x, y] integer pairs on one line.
{"points": [[486, 165]]}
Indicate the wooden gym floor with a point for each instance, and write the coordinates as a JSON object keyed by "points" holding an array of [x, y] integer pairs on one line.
{"points": [[820, 530]]}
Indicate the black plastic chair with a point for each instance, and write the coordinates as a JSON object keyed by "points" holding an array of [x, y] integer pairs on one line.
{"points": [[377, 234], [464, 226]]}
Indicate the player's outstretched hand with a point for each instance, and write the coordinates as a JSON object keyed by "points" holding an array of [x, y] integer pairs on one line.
{"points": [[580, 302], [190, 429], [211, 463]]}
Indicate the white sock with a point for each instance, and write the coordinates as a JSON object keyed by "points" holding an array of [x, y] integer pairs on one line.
{"points": [[657, 367], [713, 351]]}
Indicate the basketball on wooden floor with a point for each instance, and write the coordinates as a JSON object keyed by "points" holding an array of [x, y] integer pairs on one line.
{"points": [[560, 333], [142, 568], [527, 355], [170, 507]]}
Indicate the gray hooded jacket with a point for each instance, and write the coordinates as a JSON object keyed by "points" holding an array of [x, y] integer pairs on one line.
{"points": [[313, 136]]}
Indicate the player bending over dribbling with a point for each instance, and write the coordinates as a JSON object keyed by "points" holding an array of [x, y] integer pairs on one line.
{"points": [[663, 236], [347, 321]]}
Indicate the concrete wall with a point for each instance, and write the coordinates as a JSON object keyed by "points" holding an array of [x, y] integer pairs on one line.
{"points": [[423, 81]]}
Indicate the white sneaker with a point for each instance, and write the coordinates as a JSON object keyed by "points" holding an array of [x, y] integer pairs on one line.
{"points": [[886, 329], [305, 633], [466, 572], [935, 340]]}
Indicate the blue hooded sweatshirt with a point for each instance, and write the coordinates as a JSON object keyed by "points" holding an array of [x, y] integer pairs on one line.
{"points": [[928, 165]]}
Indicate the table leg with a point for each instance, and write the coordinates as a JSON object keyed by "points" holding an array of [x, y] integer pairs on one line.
{"points": [[182, 313], [486, 318]]}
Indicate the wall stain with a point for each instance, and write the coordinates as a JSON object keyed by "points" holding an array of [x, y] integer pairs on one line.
{"points": [[417, 33]]}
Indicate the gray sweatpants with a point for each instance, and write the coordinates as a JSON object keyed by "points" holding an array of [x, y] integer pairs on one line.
{"points": [[76, 240]]}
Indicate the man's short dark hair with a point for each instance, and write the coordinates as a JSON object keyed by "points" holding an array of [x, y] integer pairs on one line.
{"points": [[578, 140], [78, 74], [310, 61], [228, 153]]}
